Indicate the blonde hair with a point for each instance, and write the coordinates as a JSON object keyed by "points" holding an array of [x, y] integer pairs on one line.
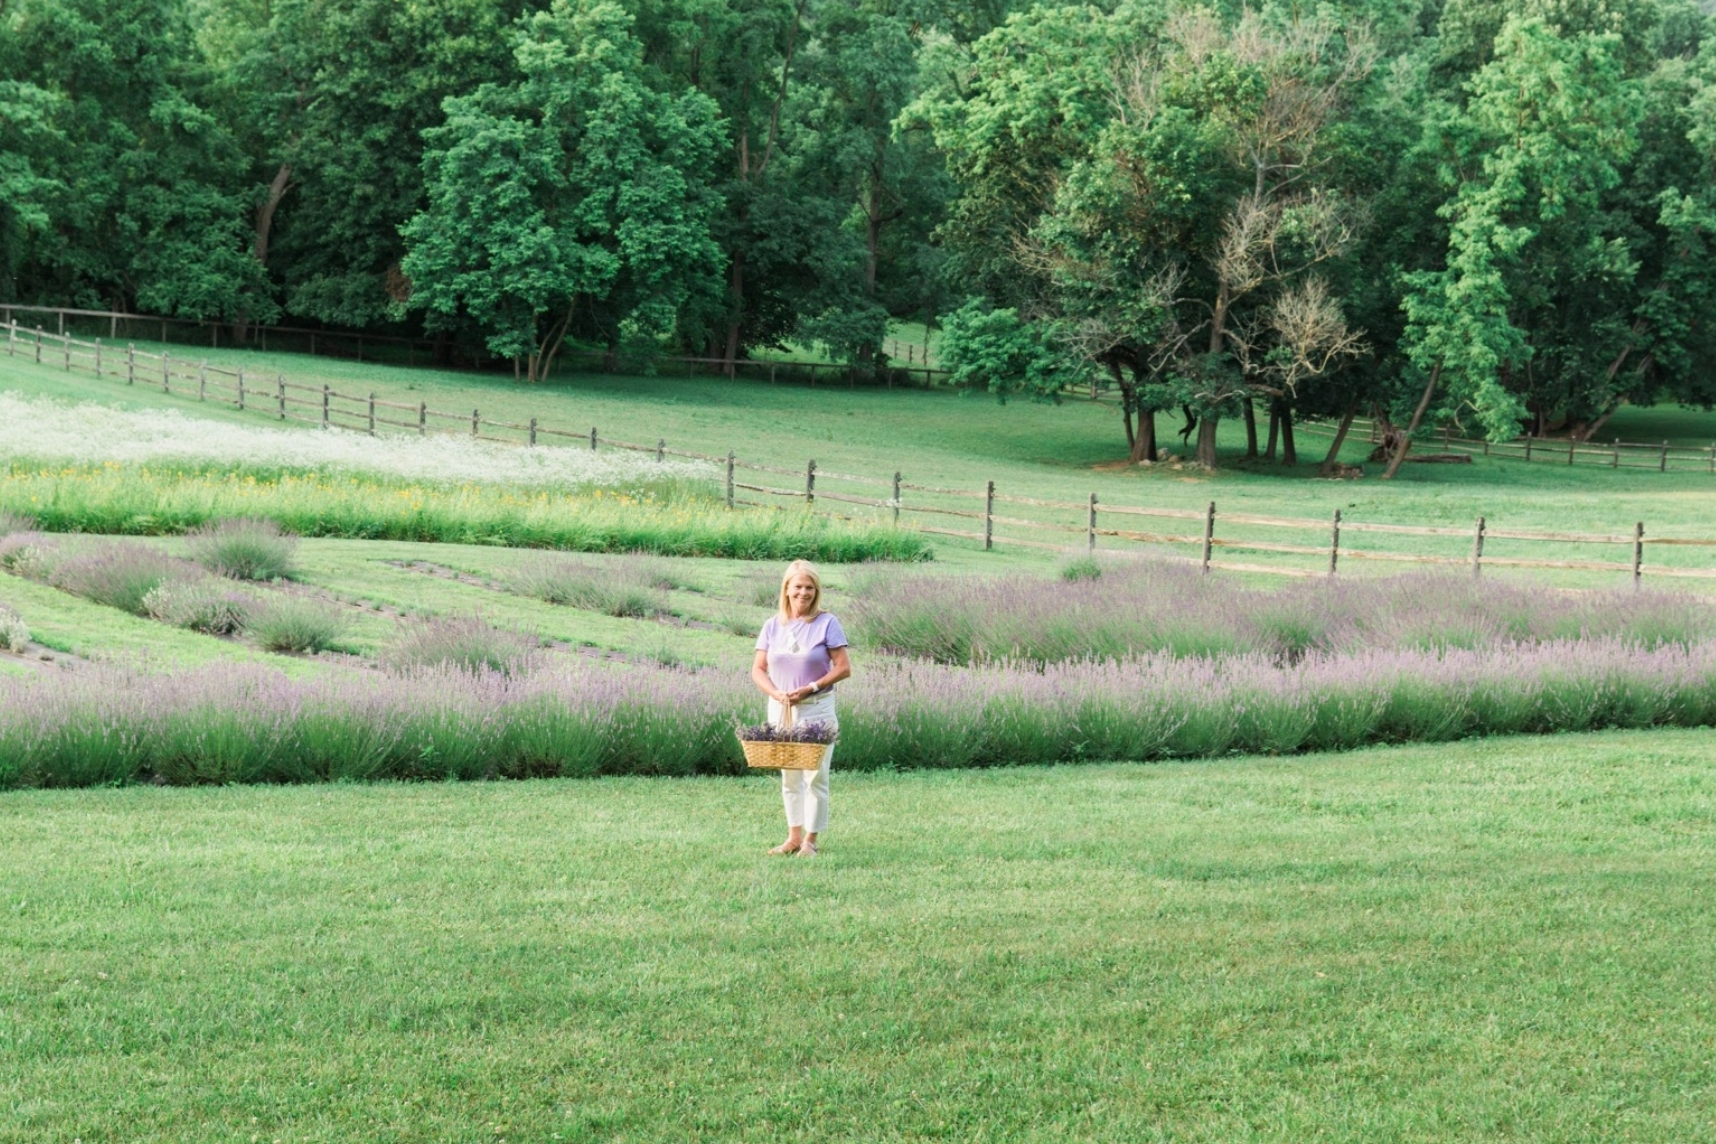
{"points": [[800, 568]]}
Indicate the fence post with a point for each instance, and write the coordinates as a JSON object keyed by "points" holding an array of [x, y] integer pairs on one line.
{"points": [[11, 338], [592, 438], [422, 418], [729, 478], [989, 516], [65, 350], [324, 405], [660, 449], [1209, 536], [1090, 527], [98, 358], [1528, 446], [372, 415], [1664, 467], [1477, 548], [203, 380], [166, 373], [113, 325], [62, 317], [1572, 444], [533, 431], [1335, 542], [1713, 458], [280, 394], [241, 388], [1638, 553], [476, 421], [810, 485], [130, 363], [896, 497], [38, 345]]}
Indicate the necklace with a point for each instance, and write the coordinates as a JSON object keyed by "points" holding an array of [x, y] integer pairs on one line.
{"points": [[794, 629]]}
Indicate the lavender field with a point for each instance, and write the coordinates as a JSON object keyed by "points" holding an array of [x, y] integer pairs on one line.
{"points": [[582, 718], [1123, 608]]}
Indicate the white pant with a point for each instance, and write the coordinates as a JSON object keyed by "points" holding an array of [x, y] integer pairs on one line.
{"points": [[806, 792]]}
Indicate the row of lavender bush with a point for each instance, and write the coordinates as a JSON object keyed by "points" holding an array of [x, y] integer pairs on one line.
{"points": [[1130, 608], [249, 724]]}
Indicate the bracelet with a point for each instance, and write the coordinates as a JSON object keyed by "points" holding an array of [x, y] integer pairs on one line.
{"points": [[815, 687]]}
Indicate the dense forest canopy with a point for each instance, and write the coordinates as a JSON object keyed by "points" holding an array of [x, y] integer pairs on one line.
{"points": [[1495, 213]]}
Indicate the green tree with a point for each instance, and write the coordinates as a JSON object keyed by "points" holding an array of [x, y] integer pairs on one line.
{"points": [[143, 182], [576, 196]]}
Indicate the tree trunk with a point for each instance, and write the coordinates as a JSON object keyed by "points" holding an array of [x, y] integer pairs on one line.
{"points": [[1250, 430], [1125, 404], [736, 299], [1274, 429], [259, 244], [266, 208], [1417, 417], [1147, 433], [1289, 454], [1206, 454], [1333, 457]]}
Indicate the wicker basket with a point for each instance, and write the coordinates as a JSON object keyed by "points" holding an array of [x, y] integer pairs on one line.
{"points": [[784, 756]]}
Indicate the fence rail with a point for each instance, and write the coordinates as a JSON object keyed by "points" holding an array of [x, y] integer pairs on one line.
{"points": [[1318, 541], [1662, 456], [345, 343]]}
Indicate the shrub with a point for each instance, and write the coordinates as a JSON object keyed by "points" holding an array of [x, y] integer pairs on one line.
{"points": [[13, 522], [14, 632], [244, 549], [598, 588], [27, 554], [119, 576], [465, 642], [199, 606], [1082, 568], [740, 620], [760, 588], [291, 624]]}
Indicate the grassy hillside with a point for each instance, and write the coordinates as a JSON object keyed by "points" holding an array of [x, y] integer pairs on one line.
{"points": [[962, 440], [1440, 943]]}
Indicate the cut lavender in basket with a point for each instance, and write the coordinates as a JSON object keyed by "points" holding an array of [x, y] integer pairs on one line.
{"points": [[814, 731]]}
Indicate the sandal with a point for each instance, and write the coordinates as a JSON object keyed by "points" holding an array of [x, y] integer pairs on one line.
{"points": [[786, 848], [807, 850]]}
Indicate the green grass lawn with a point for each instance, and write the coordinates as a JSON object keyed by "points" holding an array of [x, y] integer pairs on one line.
{"points": [[1478, 941]]}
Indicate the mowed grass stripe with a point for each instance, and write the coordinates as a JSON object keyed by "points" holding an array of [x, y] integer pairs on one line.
{"points": [[1479, 940]]}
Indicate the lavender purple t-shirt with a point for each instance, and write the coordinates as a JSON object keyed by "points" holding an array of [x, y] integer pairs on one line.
{"points": [[798, 650]]}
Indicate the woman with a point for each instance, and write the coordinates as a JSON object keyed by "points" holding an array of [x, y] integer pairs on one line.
{"points": [[801, 655]]}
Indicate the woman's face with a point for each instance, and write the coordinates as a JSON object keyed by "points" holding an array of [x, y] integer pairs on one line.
{"points": [[801, 593]]}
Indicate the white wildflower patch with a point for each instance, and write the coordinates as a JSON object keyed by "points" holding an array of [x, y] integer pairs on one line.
{"points": [[50, 431]]}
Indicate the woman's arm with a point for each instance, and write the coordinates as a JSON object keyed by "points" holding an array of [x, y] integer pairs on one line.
{"points": [[760, 677]]}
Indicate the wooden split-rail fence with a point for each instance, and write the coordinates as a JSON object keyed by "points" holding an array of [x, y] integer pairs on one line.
{"points": [[911, 366], [1662, 456], [1294, 546]]}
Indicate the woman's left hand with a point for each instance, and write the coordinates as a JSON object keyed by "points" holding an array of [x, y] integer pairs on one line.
{"points": [[800, 694]]}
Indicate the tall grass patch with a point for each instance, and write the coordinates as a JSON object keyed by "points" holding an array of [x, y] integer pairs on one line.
{"points": [[165, 499]]}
